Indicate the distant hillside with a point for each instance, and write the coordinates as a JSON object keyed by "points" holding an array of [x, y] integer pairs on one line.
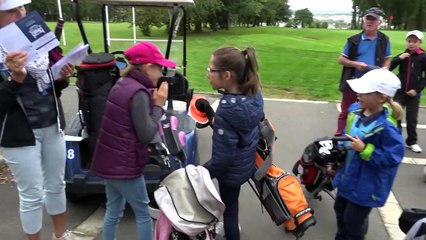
{"points": [[333, 17]]}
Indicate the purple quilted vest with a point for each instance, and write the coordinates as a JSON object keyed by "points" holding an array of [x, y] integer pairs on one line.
{"points": [[118, 153]]}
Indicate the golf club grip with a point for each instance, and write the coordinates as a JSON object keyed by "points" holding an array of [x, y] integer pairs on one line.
{"points": [[340, 138], [172, 141], [182, 138], [160, 130], [174, 122]]}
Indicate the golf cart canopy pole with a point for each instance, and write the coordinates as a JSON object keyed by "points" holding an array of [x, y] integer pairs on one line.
{"points": [[173, 4], [76, 8]]}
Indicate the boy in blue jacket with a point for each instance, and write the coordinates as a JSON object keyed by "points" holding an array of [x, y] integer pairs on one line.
{"points": [[376, 149]]}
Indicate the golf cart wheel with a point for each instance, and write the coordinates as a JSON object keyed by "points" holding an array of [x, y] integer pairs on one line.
{"points": [[76, 197]]}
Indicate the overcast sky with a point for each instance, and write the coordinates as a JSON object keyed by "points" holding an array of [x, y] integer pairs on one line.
{"points": [[322, 5]]}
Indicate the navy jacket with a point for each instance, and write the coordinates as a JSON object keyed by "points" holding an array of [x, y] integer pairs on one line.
{"points": [[412, 71], [235, 137]]}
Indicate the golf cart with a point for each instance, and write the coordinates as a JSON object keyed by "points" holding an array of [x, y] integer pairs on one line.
{"points": [[95, 77]]}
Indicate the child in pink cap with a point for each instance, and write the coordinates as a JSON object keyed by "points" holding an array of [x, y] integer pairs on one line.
{"points": [[133, 110]]}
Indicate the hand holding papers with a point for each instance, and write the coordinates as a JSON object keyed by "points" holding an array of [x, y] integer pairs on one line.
{"points": [[29, 34], [74, 57]]}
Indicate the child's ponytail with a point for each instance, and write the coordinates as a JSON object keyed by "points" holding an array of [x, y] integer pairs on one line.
{"points": [[251, 81], [243, 64]]}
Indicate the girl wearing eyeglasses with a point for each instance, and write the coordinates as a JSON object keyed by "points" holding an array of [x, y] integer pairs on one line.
{"points": [[235, 131]]}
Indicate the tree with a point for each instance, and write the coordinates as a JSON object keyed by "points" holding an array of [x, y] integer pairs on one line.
{"points": [[274, 11], [205, 11], [149, 17], [304, 17]]}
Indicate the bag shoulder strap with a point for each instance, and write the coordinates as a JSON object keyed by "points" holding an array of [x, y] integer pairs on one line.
{"points": [[267, 132]]}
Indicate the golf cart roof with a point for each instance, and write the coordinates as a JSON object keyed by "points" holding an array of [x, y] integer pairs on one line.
{"points": [[147, 2]]}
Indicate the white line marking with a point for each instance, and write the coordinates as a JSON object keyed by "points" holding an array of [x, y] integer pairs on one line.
{"points": [[91, 227], [390, 213], [338, 106], [295, 100], [419, 126], [414, 161]]}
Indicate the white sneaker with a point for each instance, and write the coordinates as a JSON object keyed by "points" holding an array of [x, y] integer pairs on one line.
{"points": [[415, 148], [66, 236], [220, 229]]}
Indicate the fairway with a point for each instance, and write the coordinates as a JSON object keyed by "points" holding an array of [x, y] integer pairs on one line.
{"points": [[294, 63]]}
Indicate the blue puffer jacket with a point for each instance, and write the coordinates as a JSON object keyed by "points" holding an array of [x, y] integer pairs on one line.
{"points": [[366, 177], [235, 136]]}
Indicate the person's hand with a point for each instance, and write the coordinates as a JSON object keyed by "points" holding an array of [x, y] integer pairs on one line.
{"points": [[16, 62], [361, 66], [66, 71], [404, 56], [412, 93], [330, 171], [357, 144], [160, 95]]}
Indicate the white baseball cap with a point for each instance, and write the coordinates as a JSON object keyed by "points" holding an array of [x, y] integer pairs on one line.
{"points": [[377, 80], [416, 33], [11, 4]]}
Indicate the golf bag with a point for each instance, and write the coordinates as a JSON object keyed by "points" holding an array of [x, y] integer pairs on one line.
{"points": [[279, 192], [95, 77], [323, 154], [190, 205], [409, 217]]}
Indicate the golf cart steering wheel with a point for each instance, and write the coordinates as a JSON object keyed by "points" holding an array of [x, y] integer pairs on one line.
{"points": [[120, 60]]}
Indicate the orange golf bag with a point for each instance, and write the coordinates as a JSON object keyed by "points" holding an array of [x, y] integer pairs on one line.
{"points": [[279, 191]]}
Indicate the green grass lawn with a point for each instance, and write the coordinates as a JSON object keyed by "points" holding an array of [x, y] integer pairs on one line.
{"points": [[294, 63]]}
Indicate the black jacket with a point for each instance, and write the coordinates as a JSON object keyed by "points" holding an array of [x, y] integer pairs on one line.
{"points": [[353, 41], [412, 71], [15, 130]]}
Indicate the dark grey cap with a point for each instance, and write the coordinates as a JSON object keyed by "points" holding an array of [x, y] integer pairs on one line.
{"points": [[374, 12]]}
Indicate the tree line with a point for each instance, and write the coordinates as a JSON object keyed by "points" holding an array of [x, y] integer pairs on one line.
{"points": [[222, 14], [400, 14]]}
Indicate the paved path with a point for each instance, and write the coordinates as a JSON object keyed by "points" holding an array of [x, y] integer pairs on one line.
{"points": [[297, 123]]}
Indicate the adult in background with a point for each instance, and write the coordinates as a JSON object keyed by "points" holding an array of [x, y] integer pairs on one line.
{"points": [[368, 48], [30, 131]]}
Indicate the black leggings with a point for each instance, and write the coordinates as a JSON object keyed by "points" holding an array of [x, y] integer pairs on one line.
{"points": [[229, 197], [352, 220]]}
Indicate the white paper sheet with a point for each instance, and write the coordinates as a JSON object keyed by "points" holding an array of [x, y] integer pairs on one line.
{"points": [[29, 34], [75, 56]]}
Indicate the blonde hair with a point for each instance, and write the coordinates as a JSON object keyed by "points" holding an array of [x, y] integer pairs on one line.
{"points": [[125, 71], [397, 111]]}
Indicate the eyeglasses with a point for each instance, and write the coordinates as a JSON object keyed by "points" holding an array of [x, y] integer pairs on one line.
{"points": [[211, 70]]}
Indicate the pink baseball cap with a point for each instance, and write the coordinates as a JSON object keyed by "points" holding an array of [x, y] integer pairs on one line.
{"points": [[146, 52]]}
